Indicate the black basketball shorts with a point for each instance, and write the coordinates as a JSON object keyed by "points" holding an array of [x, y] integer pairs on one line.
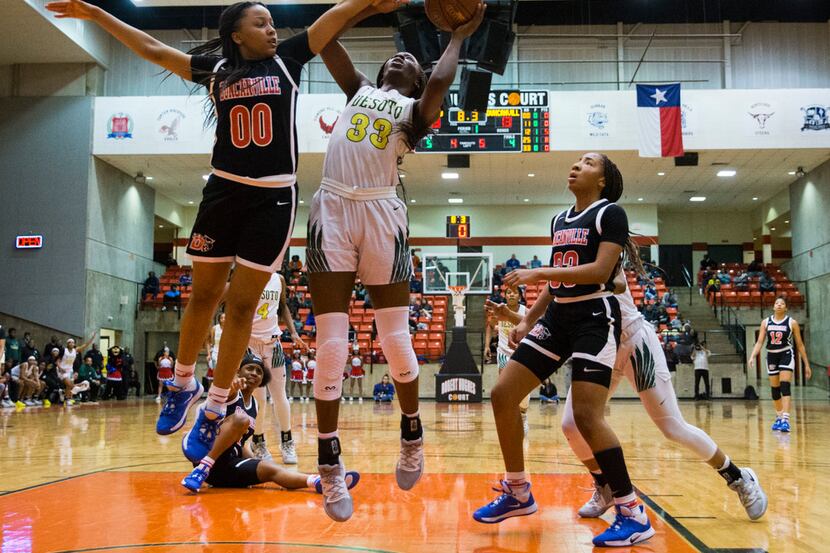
{"points": [[778, 361], [587, 332], [230, 471], [245, 224]]}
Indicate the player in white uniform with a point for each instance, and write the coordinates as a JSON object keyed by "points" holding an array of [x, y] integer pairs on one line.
{"points": [[505, 316], [265, 344], [641, 360], [358, 227], [214, 338], [66, 368]]}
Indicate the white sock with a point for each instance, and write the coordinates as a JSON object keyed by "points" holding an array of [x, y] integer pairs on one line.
{"points": [[183, 376], [311, 481], [217, 398]]}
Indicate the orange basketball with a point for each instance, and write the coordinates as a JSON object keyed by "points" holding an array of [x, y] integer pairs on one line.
{"points": [[447, 15]]}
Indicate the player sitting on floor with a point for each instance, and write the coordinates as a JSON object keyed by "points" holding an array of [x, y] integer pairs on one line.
{"points": [[230, 462]]}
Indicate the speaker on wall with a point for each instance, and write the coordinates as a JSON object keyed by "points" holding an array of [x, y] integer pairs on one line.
{"points": [[475, 89]]}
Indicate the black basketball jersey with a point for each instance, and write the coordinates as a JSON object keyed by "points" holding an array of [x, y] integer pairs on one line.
{"points": [[256, 131], [251, 411], [779, 334], [576, 237]]}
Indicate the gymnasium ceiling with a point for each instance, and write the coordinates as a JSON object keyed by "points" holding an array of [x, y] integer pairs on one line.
{"points": [[500, 179]]}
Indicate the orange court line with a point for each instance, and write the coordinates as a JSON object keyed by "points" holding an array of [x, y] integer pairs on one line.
{"points": [[145, 511]]}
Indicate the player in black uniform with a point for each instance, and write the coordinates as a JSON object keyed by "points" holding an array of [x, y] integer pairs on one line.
{"points": [[779, 330], [231, 463], [574, 317], [248, 206]]}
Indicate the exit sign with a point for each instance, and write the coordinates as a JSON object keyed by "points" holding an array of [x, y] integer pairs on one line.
{"points": [[28, 241]]}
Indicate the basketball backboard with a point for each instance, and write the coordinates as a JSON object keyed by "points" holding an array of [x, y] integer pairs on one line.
{"points": [[444, 271]]}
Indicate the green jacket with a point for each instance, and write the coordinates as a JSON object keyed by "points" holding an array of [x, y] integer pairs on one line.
{"points": [[88, 372]]}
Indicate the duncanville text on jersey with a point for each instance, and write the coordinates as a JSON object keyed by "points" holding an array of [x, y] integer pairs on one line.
{"points": [[571, 237], [246, 88]]}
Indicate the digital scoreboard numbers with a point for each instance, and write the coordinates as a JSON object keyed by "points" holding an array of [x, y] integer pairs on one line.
{"points": [[515, 121], [458, 226]]}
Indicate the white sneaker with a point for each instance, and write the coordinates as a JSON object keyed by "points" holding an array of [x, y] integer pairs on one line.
{"points": [[351, 399], [289, 453], [751, 494], [360, 400], [291, 400], [601, 501], [29, 402], [410, 465], [336, 499]]}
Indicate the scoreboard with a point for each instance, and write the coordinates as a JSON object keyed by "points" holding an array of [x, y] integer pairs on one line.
{"points": [[515, 121], [458, 226]]}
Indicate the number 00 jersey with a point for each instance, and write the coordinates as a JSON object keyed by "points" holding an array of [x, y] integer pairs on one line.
{"points": [[366, 141], [266, 317], [576, 237], [779, 334], [256, 134]]}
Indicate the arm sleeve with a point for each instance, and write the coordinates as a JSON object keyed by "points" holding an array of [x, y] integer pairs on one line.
{"points": [[201, 68], [295, 52], [614, 225]]}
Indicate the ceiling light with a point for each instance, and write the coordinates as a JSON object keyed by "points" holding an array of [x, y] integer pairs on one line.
{"points": [[412, 201], [531, 175], [791, 173], [455, 200], [449, 176], [697, 199], [302, 201], [639, 199], [401, 175], [787, 222], [661, 174], [205, 177], [727, 173], [772, 228], [526, 200], [148, 178], [161, 226], [754, 198], [190, 202]]}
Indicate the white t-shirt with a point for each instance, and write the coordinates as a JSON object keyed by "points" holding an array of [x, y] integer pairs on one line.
{"points": [[266, 316], [504, 328], [701, 359], [217, 336], [365, 144]]}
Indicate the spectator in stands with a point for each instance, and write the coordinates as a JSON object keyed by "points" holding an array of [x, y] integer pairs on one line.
{"points": [[661, 314], [96, 356], [653, 269], [52, 344], [12, 347], [360, 292], [115, 375], [650, 293], [755, 269], [295, 266], [28, 348], [185, 280], [535, 263], [129, 360], [677, 323], [724, 277], [151, 286], [425, 309], [310, 321], [496, 296], [671, 356], [88, 373], [700, 355], [49, 374], [293, 303], [707, 262], [5, 382], [766, 284], [170, 261], [172, 298], [383, 390], [548, 393], [416, 261], [741, 282], [497, 280], [512, 263], [415, 285], [669, 298], [131, 381], [649, 313], [712, 287]]}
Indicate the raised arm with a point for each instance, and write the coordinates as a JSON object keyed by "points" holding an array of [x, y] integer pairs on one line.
{"points": [[428, 108], [340, 65], [141, 43], [342, 16], [762, 333], [802, 351]]}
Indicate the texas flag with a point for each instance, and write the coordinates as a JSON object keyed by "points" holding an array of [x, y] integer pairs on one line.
{"points": [[658, 110]]}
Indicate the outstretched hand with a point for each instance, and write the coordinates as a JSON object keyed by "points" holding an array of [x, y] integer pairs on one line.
{"points": [[76, 9], [468, 28], [520, 276]]}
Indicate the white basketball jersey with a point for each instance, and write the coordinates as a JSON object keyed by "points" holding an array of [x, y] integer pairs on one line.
{"points": [[67, 362], [266, 317], [217, 337], [631, 317], [504, 332], [366, 142]]}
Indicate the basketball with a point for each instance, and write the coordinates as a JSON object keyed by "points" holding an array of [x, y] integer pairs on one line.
{"points": [[448, 15]]}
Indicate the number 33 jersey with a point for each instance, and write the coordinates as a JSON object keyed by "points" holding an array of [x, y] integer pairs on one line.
{"points": [[576, 237], [366, 142]]}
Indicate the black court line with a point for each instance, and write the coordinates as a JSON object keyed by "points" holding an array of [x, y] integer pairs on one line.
{"points": [[321, 547], [684, 532]]}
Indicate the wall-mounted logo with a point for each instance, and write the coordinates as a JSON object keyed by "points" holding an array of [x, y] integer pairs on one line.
{"points": [[598, 119], [761, 114], [815, 118], [687, 120], [120, 125], [327, 118], [169, 124]]}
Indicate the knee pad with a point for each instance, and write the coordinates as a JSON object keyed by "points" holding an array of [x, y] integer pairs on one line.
{"points": [[776, 392], [785, 388], [332, 354], [393, 333]]}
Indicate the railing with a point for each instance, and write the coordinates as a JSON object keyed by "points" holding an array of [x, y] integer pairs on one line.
{"points": [[735, 330], [687, 277]]}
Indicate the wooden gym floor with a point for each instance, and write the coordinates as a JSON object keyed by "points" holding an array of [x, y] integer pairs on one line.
{"points": [[97, 478]]}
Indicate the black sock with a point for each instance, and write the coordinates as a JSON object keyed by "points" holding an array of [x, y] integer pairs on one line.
{"points": [[599, 479], [730, 473], [285, 436], [328, 451], [612, 464], [411, 428], [258, 438]]}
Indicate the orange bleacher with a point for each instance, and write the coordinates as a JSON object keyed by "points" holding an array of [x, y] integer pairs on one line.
{"points": [[170, 276], [753, 297]]}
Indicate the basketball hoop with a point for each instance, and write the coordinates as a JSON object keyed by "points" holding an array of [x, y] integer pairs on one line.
{"points": [[458, 302], [457, 290]]}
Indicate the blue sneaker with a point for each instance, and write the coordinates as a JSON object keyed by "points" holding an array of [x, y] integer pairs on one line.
{"points": [[195, 479], [174, 413], [785, 425], [506, 505], [199, 440], [776, 425], [352, 478], [626, 529]]}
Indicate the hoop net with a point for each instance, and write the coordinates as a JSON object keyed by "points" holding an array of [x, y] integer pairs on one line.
{"points": [[458, 290]]}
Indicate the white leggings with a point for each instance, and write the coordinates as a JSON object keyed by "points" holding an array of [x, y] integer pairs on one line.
{"points": [[281, 409], [660, 402]]}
